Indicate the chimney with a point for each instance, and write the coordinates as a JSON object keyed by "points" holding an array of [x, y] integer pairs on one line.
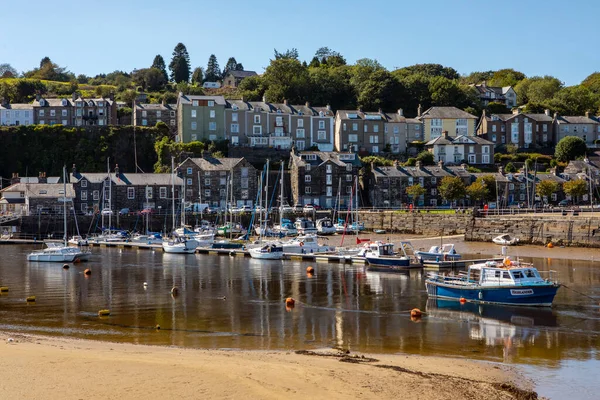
{"points": [[419, 111], [516, 111], [42, 178], [74, 96], [547, 112], [484, 84], [329, 107], [285, 102], [117, 170], [445, 133], [587, 114], [555, 115], [307, 104], [501, 170], [380, 111], [401, 112], [15, 178], [441, 164], [38, 96], [74, 170], [419, 165], [264, 99], [243, 99], [163, 102]]}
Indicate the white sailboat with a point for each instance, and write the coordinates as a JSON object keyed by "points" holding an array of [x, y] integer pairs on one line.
{"points": [[57, 251]]}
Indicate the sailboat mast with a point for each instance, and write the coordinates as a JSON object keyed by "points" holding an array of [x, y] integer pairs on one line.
{"points": [[281, 200], [173, 189], [200, 197], [267, 197], [65, 204], [147, 206], [183, 202], [109, 195]]}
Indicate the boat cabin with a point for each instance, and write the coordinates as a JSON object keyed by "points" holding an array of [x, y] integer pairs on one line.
{"points": [[382, 249], [510, 273]]}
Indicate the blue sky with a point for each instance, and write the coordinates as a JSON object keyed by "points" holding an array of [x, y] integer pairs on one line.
{"points": [[536, 37]]}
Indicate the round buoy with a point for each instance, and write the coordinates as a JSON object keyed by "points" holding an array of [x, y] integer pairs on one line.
{"points": [[30, 299], [65, 266], [462, 300], [310, 270], [290, 302], [415, 312], [87, 271], [550, 245], [4, 289], [77, 261], [103, 313], [157, 327], [174, 291]]}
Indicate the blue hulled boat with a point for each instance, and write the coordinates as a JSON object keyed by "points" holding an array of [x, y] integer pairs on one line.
{"points": [[507, 282]]}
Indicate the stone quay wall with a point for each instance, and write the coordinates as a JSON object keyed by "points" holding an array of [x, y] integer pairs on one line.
{"points": [[418, 223]]}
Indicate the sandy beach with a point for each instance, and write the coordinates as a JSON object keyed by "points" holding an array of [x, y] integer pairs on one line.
{"points": [[35, 367]]}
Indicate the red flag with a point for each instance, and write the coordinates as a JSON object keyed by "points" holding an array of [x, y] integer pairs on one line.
{"points": [[359, 241]]}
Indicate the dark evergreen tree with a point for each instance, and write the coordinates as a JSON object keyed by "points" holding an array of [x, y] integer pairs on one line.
{"points": [[180, 64], [198, 76], [232, 65], [159, 63], [213, 72]]}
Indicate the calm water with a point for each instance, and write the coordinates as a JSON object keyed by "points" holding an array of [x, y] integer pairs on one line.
{"points": [[235, 302]]}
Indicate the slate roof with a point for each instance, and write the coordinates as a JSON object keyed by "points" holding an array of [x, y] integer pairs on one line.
{"points": [[242, 74], [16, 106], [53, 102], [576, 120], [125, 179], [446, 113], [187, 99], [323, 157], [241, 105], [441, 140], [148, 106], [41, 190], [34, 179], [216, 164]]}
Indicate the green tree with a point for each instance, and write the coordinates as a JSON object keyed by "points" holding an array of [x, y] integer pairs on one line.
{"points": [[379, 91], [232, 65], [510, 168], [496, 108], [49, 71], [511, 148], [477, 191], [286, 79], [537, 89], [7, 71], [414, 192], [288, 54], [506, 77], [150, 79], [429, 70], [213, 71], [545, 188], [592, 82], [198, 76], [477, 77], [331, 86], [252, 88], [575, 100], [570, 148], [159, 64], [426, 158], [575, 188], [490, 183], [452, 188], [180, 64]]}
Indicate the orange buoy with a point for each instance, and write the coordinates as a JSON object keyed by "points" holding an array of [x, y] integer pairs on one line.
{"points": [[462, 300], [415, 312], [415, 319], [310, 270], [87, 271], [30, 299], [77, 261], [290, 302], [104, 313], [174, 291], [550, 245]]}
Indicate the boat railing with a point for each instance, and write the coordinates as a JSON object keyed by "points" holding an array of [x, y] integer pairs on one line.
{"points": [[550, 276]]}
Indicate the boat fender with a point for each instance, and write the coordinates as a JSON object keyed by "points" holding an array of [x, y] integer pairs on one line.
{"points": [[301, 244], [4, 289], [462, 300], [290, 302], [87, 272], [445, 257], [480, 295]]}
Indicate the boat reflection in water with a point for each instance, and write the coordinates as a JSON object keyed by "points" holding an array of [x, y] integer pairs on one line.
{"points": [[496, 325]]}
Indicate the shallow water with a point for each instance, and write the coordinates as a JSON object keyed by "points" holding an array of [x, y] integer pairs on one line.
{"points": [[236, 302]]}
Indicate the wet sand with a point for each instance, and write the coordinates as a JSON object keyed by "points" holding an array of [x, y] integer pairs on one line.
{"points": [[35, 367]]}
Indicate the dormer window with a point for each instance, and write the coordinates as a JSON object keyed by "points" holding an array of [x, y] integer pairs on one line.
{"points": [[64, 102], [321, 114], [278, 111], [42, 102], [300, 113], [91, 103], [79, 103], [234, 107]]}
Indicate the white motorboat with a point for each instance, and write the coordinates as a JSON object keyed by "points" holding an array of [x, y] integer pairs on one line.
{"points": [[446, 252], [78, 241], [269, 251], [58, 252], [382, 257], [286, 228], [180, 245], [325, 226], [204, 239], [305, 226], [152, 238], [305, 244], [505, 240]]}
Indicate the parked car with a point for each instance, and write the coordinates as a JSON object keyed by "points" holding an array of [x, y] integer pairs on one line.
{"points": [[565, 203], [107, 211], [286, 208], [246, 208], [124, 211], [147, 211], [308, 208], [298, 208]]}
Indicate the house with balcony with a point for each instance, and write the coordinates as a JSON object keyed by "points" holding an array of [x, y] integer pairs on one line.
{"points": [[145, 114], [495, 94], [200, 118], [215, 181], [461, 149], [585, 127], [319, 177], [359, 131], [524, 130], [455, 121], [98, 111]]}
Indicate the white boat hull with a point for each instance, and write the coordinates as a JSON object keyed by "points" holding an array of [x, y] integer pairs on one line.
{"points": [[185, 247], [263, 255]]}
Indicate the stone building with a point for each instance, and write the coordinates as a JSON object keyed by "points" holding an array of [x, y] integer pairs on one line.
{"points": [[322, 177], [35, 198], [210, 180], [150, 114]]}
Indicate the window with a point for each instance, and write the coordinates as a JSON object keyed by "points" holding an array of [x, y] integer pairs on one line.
{"points": [[278, 120], [553, 196], [234, 117], [193, 114], [207, 193], [344, 127], [375, 149], [348, 189], [149, 192], [300, 123], [194, 125], [307, 190], [514, 130], [41, 113], [206, 181], [145, 122], [194, 137], [321, 135], [365, 127], [235, 128], [52, 113], [212, 113], [307, 178], [96, 194], [257, 119], [162, 192], [211, 103], [348, 178], [194, 103], [212, 137], [485, 159], [257, 130], [434, 192], [355, 126], [308, 167], [485, 149], [376, 128], [145, 114], [503, 139], [300, 145], [189, 171], [493, 128], [471, 158], [511, 186], [279, 131], [100, 122], [130, 193], [84, 195], [522, 196], [300, 133], [585, 129], [353, 138], [328, 179], [172, 122], [349, 167], [321, 124], [396, 129]]}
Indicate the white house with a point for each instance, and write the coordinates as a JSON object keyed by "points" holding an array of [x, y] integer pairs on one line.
{"points": [[16, 114], [461, 149]]}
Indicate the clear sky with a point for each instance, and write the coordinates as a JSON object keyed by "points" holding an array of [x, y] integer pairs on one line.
{"points": [[551, 37]]}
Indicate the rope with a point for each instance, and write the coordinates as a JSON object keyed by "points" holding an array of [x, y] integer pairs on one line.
{"points": [[580, 293]]}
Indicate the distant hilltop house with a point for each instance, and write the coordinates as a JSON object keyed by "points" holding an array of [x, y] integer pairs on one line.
{"points": [[233, 78], [491, 94]]}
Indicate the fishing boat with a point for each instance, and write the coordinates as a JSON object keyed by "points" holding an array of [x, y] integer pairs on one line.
{"points": [[180, 245], [505, 240], [446, 252], [325, 226], [382, 257], [304, 244], [507, 282], [270, 251]]}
